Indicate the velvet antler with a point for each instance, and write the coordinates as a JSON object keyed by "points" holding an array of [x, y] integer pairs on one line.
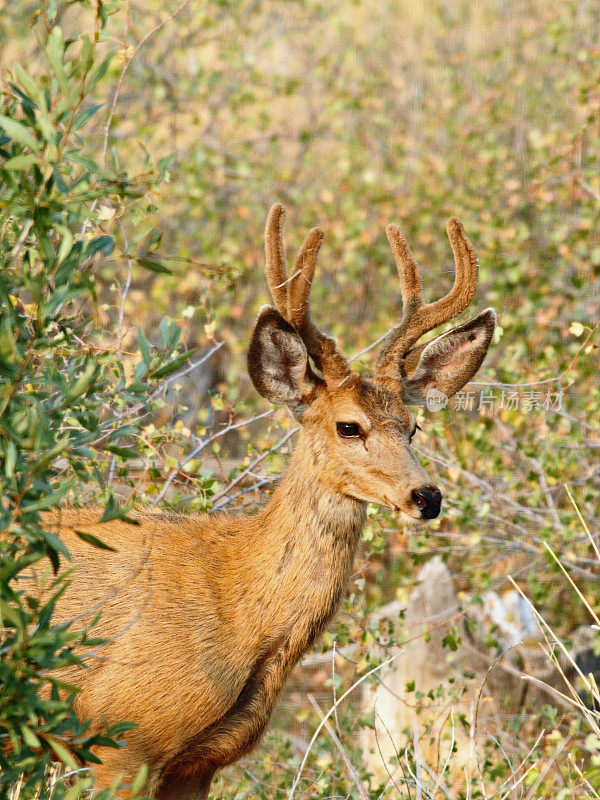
{"points": [[291, 295], [419, 317]]}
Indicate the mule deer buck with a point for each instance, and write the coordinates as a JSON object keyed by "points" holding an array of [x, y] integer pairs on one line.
{"points": [[206, 616]]}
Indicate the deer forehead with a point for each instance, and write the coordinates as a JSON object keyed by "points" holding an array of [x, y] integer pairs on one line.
{"points": [[370, 404]]}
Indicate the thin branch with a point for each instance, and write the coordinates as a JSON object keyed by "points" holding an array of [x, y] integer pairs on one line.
{"points": [[253, 464], [121, 327], [127, 285], [20, 241], [255, 487], [438, 781], [417, 756], [201, 446], [126, 64], [347, 763], [164, 385]]}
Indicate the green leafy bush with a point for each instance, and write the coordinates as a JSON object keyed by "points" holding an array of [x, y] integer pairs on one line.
{"points": [[70, 399]]}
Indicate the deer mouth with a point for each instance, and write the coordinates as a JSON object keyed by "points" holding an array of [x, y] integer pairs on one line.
{"points": [[393, 506], [410, 515]]}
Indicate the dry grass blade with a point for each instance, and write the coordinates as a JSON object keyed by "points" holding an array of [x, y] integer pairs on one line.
{"points": [[592, 717], [531, 793], [522, 764], [572, 582], [584, 523]]}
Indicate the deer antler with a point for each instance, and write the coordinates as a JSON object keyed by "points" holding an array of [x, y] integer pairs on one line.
{"points": [[291, 295], [419, 317]]}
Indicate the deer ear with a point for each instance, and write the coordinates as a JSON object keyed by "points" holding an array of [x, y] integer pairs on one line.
{"points": [[278, 363], [450, 360]]}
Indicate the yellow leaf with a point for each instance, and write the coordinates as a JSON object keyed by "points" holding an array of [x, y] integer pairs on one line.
{"points": [[453, 473], [105, 213], [576, 328]]}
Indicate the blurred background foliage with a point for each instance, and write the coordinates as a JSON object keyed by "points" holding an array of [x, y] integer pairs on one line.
{"points": [[355, 114]]}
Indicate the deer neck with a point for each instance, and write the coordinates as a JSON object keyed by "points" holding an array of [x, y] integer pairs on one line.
{"points": [[309, 534]]}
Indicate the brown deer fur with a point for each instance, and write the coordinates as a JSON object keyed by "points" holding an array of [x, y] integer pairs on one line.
{"points": [[206, 616]]}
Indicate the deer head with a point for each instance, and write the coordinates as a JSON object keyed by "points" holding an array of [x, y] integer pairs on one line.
{"points": [[362, 428]]}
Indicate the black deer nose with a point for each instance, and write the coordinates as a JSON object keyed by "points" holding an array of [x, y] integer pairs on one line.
{"points": [[428, 500]]}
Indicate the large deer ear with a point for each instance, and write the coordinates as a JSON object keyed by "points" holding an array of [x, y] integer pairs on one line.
{"points": [[450, 361], [278, 363]]}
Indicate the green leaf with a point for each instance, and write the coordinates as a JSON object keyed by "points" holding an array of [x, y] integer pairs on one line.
{"points": [[119, 728], [139, 387], [55, 50], [18, 132], [56, 543], [154, 265], [140, 371], [165, 163], [140, 779], [83, 116], [46, 127], [27, 82], [77, 790], [11, 459], [87, 163], [124, 452], [17, 565], [113, 511], [94, 541], [62, 752], [86, 59], [29, 737], [84, 380], [145, 347], [49, 500], [172, 366], [20, 163], [101, 70], [8, 613], [8, 346], [44, 459], [66, 243], [103, 244], [163, 330]]}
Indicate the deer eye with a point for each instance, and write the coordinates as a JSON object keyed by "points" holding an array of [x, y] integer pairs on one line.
{"points": [[348, 429]]}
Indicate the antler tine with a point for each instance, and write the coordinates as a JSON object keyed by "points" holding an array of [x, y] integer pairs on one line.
{"points": [[321, 348], [465, 279], [418, 317], [275, 266], [408, 271], [301, 279]]}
